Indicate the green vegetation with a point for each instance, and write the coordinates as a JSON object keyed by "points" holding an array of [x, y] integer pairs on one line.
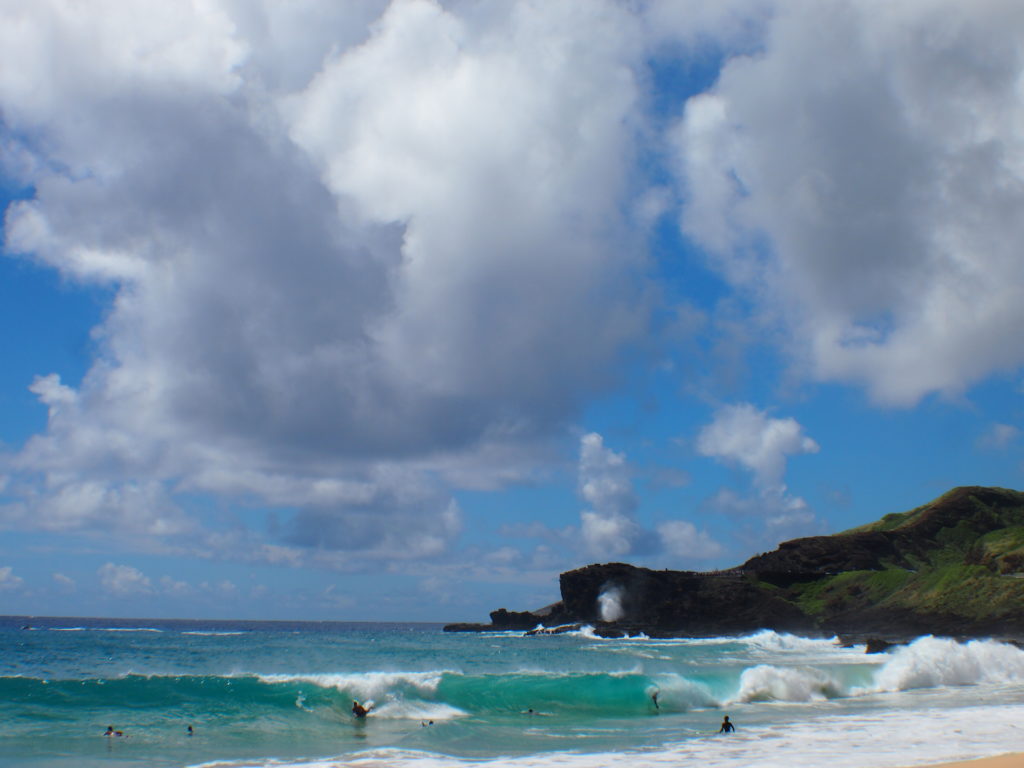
{"points": [[849, 590], [958, 560]]}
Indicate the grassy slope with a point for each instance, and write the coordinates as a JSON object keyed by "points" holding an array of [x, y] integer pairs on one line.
{"points": [[959, 568]]}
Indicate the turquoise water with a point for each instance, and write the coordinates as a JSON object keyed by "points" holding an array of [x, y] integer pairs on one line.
{"points": [[262, 693]]}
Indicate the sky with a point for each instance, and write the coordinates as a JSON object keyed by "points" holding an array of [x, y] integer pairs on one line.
{"points": [[397, 310]]}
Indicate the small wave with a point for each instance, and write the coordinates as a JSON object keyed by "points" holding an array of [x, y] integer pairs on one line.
{"points": [[213, 634], [104, 629], [418, 710], [776, 642]]}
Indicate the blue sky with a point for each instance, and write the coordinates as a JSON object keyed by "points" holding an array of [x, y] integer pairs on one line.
{"points": [[398, 310]]}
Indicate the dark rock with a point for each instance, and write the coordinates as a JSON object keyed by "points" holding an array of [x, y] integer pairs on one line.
{"points": [[559, 630], [468, 627], [679, 601], [877, 645], [870, 583], [503, 619]]}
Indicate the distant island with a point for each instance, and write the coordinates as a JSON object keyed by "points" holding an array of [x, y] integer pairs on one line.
{"points": [[953, 567]]}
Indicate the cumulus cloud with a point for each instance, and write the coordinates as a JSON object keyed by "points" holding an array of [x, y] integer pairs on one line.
{"points": [[860, 178], [746, 436], [682, 539], [410, 533], [363, 255], [608, 529], [123, 580], [998, 437], [8, 580], [65, 582], [347, 244], [174, 587]]}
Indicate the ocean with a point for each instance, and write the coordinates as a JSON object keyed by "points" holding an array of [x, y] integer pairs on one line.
{"points": [[280, 694]]}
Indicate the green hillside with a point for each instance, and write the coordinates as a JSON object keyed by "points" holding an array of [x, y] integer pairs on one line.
{"points": [[953, 565]]}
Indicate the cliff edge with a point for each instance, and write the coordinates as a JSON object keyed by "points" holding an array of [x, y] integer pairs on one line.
{"points": [[953, 567]]}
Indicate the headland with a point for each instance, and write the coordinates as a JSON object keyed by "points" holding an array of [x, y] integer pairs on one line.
{"points": [[952, 567]]}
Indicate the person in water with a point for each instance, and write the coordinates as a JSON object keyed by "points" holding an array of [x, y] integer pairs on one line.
{"points": [[189, 730], [727, 727], [359, 710]]}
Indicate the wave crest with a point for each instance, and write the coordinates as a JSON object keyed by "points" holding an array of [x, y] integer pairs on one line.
{"points": [[930, 662], [766, 682]]}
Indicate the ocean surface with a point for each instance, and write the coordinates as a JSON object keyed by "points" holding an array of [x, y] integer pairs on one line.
{"points": [[280, 694]]}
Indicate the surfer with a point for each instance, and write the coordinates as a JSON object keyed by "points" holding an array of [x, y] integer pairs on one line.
{"points": [[359, 710], [189, 730], [727, 727], [654, 698]]}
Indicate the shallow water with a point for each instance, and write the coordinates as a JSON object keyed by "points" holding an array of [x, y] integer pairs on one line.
{"points": [[259, 693]]}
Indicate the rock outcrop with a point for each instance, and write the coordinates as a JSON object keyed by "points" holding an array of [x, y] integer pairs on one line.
{"points": [[951, 567]]}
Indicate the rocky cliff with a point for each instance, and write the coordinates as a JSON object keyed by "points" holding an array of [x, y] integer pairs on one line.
{"points": [[954, 566]]}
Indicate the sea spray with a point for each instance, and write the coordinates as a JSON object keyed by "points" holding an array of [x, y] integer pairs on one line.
{"points": [[609, 603], [766, 682], [929, 662]]}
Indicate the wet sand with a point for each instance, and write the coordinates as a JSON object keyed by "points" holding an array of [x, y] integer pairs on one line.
{"points": [[1014, 760]]}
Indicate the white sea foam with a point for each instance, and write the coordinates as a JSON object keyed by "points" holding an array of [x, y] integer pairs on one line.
{"points": [[882, 740], [929, 662], [417, 710], [777, 642], [105, 629], [767, 682], [365, 685], [214, 634]]}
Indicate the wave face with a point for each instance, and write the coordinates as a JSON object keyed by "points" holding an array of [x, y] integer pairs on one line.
{"points": [[256, 694]]}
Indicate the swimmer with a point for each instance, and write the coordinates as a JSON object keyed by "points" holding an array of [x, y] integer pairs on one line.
{"points": [[727, 727], [189, 730], [359, 710]]}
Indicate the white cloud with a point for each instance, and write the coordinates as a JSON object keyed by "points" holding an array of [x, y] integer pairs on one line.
{"points": [[604, 477], [364, 254], [8, 580], [124, 580], [876, 150], [998, 437], [69, 504], [744, 435], [741, 434], [399, 241], [609, 534], [65, 582], [608, 529], [174, 587], [682, 539]]}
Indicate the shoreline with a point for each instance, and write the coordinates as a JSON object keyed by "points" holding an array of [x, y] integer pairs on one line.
{"points": [[1008, 760]]}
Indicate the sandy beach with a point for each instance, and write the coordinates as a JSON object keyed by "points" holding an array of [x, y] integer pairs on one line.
{"points": [[1012, 760]]}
